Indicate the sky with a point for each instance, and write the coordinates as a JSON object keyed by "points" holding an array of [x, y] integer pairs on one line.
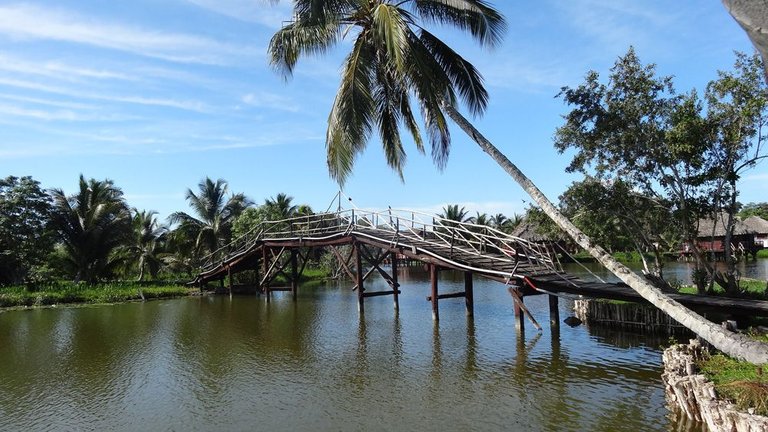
{"points": [[156, 95]]}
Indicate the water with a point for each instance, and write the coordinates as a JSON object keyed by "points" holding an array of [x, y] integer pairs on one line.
{"points": [[213, 363], [679, 271]]}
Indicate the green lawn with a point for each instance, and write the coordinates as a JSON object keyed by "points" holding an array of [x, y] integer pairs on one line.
{"points": [[752, 288], [740, 382]]}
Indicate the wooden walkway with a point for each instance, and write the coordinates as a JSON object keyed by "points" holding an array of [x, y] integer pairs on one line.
{"points": [[282, 248]]}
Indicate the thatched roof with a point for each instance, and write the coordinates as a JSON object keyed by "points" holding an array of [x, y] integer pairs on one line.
{"points": [[527, 230], [751, 225]]}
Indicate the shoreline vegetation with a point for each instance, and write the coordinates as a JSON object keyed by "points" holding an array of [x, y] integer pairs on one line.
{"points": [[71, 293]]}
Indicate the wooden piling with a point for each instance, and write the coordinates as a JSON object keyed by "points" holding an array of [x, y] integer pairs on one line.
{"points": [[434, 292], [265, 263], [519, 315], [554, 311], [229, 275], [360, 277], [469, 296], [294, 275], [395, 284]]}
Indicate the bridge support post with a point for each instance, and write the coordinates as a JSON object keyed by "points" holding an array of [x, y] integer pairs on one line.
{"points": [[469, 295], [395, 284], [265, 265], [554, 311], [360, 278], [294, 274], [519, 315], [229, 276], [433, 280]]}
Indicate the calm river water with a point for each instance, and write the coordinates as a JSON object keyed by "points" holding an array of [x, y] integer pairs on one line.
{"points": [[212, 363]]}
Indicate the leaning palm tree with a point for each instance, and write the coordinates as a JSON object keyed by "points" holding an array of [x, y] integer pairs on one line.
{"points": [[92, 224], [215, 213], [394, 58]]}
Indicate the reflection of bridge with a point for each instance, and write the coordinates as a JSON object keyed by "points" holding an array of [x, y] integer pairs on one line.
{"points": [[283, 247]]}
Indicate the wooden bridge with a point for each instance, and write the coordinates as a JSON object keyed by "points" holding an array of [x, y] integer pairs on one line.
{"points": [[374, 238]]}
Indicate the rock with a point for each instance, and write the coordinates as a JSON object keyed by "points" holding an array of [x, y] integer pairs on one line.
{"points": [[572, 321]]}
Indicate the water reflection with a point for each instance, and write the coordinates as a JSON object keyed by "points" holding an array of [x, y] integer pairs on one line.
{"points": [[316, 364]]}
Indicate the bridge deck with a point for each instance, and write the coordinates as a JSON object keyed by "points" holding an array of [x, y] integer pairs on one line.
{"points": [[459, 246]]}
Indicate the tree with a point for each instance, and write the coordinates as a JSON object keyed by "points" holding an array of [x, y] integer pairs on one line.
{"points": [[754, 209], [394, 57], [92, 224], [25, 234], [212, 228], [147, 242], [280, 207], [737, 111], [452, 212]]}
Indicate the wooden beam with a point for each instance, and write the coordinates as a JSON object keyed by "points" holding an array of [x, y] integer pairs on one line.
{"points": [[264, 283], [448, 296], [294, 275], [381, 293]]}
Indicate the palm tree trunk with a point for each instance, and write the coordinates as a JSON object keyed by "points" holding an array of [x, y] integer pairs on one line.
{"points": [[733, 344]]}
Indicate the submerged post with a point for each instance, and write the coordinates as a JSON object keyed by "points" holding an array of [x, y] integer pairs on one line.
{"points": [[554, 311], [294, 274], [519, 315], [395, 284], [265, 259], [433, 280], [469, 295], [359, 277]]}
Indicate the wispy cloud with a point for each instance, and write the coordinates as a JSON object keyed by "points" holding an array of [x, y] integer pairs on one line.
{"points": [[189, 105], [756, 177], [271, 16], [270, 100], [26, 22]]}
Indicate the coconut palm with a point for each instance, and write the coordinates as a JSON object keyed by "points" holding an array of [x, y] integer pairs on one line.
{"points": [[499, 220], [215, 213], [91, 224], [395, 59], [147, 242], [452, 212], [281, 207]]}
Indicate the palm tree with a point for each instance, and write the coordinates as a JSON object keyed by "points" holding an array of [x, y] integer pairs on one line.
{"points": [[452, 212], [498, 221], [215, 213], [92, 224], [281, 207], [394, 58], [481, 219], [147, 242]]}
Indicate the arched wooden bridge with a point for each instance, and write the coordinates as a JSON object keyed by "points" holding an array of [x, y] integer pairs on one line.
{"points": [[376, 237]]}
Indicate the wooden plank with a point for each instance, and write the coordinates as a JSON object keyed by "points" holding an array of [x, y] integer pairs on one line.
{"points": [[381, 293]]}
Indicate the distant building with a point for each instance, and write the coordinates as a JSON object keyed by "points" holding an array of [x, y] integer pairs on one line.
{"points": [[749, 236]]}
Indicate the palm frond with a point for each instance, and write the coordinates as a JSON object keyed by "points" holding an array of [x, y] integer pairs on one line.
{"points": [[482, 21]]}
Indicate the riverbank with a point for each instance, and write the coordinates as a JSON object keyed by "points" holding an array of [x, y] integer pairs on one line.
{"points": [[72, 293], [727, 397]]}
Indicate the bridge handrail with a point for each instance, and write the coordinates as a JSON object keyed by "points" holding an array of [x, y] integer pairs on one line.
{"points": [[463, 237]]}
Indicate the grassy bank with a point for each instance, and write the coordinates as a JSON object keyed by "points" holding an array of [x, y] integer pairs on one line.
{"points": [[751, 288], [743, 383], [63, 293]]}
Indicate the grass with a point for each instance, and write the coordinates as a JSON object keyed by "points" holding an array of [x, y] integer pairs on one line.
{"points": [[62, 293], [762, 253], [751, 288], [742, 383]]}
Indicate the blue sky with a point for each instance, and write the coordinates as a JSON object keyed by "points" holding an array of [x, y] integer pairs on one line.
{"points": [[158, 94]]}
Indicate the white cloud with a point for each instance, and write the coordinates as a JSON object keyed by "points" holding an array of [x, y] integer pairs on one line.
{"points": [[270, 100], [269, 15], [26, 22], [189, 105]]}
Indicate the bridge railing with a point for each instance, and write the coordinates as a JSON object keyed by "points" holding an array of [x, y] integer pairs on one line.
{"points": [[397, 226]]}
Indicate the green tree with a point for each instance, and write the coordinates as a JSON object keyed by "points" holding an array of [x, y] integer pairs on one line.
{"points": [[92, 224], [737, 109], [280, 207], [147, 243], [394, 58], [215, 212], [453, 212], [25, 235], [754, 209]]}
